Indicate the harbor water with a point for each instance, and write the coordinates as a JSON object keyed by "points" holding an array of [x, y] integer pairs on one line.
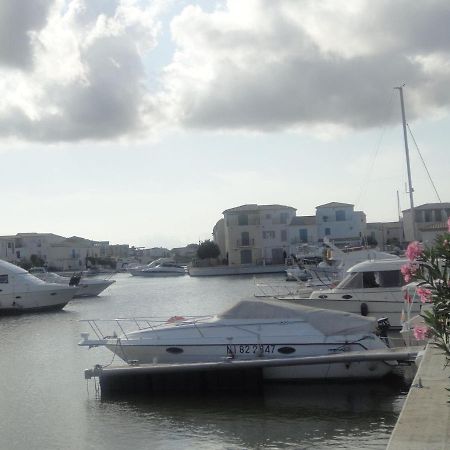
{"points": [[46, 404]]}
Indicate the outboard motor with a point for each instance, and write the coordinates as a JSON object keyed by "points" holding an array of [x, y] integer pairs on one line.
{"points": [[75, 280], [383, 328]]}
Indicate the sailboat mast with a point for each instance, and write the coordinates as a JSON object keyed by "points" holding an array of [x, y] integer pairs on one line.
{"points": [[408, 167]]}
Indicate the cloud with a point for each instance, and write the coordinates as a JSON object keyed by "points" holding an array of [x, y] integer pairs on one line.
{"points": [[290, 64], [20, 20], [75, 70], [82, 76]]}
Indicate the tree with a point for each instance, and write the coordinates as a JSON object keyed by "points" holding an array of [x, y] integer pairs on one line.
{"points": [[208, 249]]}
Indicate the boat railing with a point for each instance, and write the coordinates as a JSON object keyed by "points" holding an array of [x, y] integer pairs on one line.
{"points": [[131, 324]]}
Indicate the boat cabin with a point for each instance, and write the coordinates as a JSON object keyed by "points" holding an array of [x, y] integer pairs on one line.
{"points": [[374, 274]]}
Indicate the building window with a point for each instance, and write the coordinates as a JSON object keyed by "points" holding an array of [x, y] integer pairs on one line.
{"points": [[3, 279], [438, 215], [268, 234], [245, 238], [243, 219], [428, 217], [303, 234], [283, 235], [325, 218], [327, 231], [340, 216], [283, 217]]}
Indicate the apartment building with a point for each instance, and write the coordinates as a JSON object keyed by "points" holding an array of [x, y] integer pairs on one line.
{"points": [[255, 234], [430, 219], [340, 223]]}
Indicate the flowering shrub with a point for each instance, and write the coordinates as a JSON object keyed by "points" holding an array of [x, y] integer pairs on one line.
{"points": [[430, 267]]}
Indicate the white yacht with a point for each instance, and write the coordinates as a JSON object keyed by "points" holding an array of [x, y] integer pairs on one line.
{"points": [[158, 268], [22, 292], [87, 287], [251, 330], [371, 288]]}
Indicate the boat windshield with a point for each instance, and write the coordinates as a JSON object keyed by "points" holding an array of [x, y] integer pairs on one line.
{"points": [[373, 279]]}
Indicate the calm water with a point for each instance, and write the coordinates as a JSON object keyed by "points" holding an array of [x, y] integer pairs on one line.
{"points": [[45, 403]]}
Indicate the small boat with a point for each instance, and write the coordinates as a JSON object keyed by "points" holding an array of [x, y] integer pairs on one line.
{"points": [[371, 288], [87, 287], [161, 267], [22, 292], [251, 330]]}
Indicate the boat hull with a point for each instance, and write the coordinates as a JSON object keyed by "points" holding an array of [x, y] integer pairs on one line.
{"points": [[148, 354], [30, 302], [91, 289]]}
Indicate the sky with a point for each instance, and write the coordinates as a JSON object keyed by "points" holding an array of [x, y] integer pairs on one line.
{"points": [[139, 122]]}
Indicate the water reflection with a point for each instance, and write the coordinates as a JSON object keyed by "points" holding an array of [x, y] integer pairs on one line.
{"points": [[285, 416]]}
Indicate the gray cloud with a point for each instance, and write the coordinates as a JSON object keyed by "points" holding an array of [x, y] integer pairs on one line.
{"points": [[18, 19], [88, 81], [281, 73], [80, 71]]}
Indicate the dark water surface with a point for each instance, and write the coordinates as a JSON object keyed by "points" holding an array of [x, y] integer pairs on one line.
{"points": [[45, 403]]}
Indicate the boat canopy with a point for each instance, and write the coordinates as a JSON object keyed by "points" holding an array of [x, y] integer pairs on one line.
{"points": [[8, 268], [328, 322]]}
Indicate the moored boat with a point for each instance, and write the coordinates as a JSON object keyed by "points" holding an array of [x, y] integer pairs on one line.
{"points": [[22, 292], [252, 330], [371, 288], [87, 287]]}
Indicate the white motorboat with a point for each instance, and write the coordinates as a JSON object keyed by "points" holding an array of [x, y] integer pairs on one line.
{"points": [[87, 287], [22, 292], [159, 268], [371, 288], [333, 269], [252, 330]]}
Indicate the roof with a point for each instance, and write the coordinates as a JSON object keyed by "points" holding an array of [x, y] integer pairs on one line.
{"points": [[378, 264], [444, 205], [255, 207], [303, 220], [334, 205]]}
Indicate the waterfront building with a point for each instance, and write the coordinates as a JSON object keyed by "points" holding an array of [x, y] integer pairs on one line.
{"points": [[302, 230], [339, 223], [256, 234], [429, 219], [387, 235], [22, 246]]}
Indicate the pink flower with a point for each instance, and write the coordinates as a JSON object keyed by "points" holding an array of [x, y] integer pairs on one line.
{"points": [[408, 272], [414, 250], [448, 224], [425, 294], [420, 332]]}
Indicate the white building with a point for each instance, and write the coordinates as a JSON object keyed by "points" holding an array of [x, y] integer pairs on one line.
{"points": [[387, 234], [302, 230], [340, 223], [428, 216], [256, 234], [22, 246]]}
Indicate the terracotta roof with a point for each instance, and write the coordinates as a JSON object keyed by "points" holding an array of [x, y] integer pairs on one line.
{"points": [[444, 205], [303, 220], [255, 207], [334, 205]]}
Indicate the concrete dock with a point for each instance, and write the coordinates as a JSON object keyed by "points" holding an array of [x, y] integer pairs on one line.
{"points": [[424, 423]]}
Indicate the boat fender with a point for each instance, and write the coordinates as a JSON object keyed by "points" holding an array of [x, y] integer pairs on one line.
{"points": [[364, 309]]}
